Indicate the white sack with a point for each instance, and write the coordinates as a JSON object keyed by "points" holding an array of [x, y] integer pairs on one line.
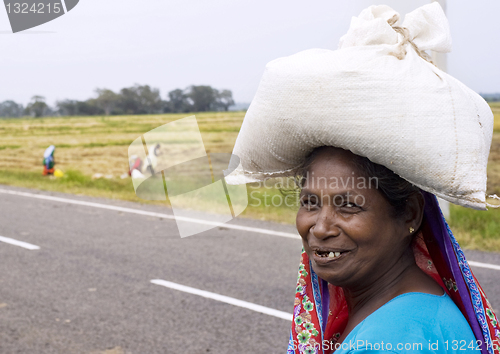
{"points": [[377, 97]]}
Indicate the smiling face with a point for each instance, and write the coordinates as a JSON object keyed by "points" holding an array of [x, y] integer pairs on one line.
{"points": [[347, 226]]}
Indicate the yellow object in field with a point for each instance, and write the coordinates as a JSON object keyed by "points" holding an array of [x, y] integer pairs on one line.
{"points": [[58, 173]]}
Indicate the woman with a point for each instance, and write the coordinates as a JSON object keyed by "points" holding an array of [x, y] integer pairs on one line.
{"points": [[380, 265], [366, 270]]}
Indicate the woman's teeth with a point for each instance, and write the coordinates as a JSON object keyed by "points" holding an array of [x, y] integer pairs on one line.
{"points": [[329, 255]]}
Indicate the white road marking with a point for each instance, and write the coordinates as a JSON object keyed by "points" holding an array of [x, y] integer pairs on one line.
{"points": [[149, 213], [22, 244], [484, 265], [226, 299]]}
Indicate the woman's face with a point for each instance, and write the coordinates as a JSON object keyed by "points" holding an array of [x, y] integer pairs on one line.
{"points": [[346, 225]]}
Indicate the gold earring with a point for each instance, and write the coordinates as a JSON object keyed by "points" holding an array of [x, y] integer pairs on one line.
{"points": [[411, 230]]}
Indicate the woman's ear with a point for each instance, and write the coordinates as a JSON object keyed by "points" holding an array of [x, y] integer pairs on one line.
{"points": [[414, 212]]}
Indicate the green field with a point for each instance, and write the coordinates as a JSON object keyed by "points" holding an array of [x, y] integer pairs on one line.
{"points": [[86, 146]]}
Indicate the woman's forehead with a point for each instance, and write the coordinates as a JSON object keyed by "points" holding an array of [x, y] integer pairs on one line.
{"points": [[333, 161], [334, 171]]}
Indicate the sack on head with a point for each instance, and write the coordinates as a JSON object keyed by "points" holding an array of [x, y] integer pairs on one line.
{"points": [[378, 96]]}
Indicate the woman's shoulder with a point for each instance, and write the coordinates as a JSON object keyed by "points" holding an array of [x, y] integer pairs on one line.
{"points": [[418, 314], [414, 322], [418, 305]]}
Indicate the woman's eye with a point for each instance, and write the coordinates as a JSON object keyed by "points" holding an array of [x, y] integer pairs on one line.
{"points": [[308, 202], [350, 207], [305, 202]]}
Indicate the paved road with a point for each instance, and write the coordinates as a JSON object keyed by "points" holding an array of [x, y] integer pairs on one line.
{"points": [[88, 290]]}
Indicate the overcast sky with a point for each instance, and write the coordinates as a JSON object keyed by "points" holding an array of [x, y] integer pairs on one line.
{"points": [[172, 44]]}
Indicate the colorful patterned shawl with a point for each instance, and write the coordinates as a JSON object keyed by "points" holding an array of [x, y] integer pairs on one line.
{"points": [[320, 310]]}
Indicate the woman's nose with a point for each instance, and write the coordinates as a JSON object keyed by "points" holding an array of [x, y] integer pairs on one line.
{"points": [[325, 225]]}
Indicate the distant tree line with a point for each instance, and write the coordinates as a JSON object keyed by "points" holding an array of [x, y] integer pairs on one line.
{"points": [[491, 97], [138, 99]]}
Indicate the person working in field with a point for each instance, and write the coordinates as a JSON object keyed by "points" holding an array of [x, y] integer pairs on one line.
{"points": [[49, 161]]}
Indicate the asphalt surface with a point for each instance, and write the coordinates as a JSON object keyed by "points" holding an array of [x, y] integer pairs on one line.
{"points": [[88, 290]]}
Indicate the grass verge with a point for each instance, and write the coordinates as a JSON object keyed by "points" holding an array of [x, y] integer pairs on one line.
{"points": [[475, 229], [264, 203]]}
